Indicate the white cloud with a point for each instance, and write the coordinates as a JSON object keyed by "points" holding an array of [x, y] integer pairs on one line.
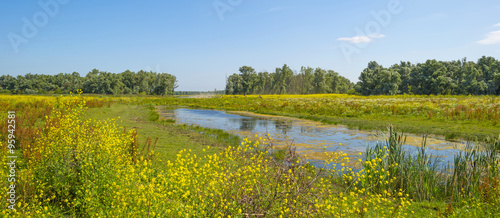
{"points": [[491, 38], [376, 36], [361, 39], [498, 24], [356, 39]]}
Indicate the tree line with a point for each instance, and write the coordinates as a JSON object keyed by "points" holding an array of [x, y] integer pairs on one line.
{"points": [[97, 82], [285, 81], [460, 77]]}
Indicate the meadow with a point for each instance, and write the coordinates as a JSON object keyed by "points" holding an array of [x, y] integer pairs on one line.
{"points": [[454, 117], [101, 156]]}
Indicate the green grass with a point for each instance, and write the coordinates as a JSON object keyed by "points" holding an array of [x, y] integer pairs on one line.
{"points": [[172, 138]]}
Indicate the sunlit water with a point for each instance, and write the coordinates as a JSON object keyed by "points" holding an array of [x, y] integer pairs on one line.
{"points": [[310, 138]]}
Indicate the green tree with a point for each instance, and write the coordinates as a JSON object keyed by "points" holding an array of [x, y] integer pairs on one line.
{"points": [[369, 79], [490, 68], [308, 78], [388, 83], [165, 84], [282, 79], [320, 83], [248, 77]]}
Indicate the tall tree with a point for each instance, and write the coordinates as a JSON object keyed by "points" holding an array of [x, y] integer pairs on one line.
{"points": [[320, 83], [369, 79], [388, 82], [248, 77]]}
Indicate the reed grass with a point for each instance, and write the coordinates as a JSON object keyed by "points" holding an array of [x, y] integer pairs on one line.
{"points": [[473, 174]]}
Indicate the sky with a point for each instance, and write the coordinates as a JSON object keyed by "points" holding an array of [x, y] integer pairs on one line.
{"points": [[203, 41]]}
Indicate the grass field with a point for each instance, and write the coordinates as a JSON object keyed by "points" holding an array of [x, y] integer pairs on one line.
{"points": [[105, 157]]}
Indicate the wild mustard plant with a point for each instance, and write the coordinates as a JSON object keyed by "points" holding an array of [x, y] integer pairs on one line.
{"points": [[91, 168]]}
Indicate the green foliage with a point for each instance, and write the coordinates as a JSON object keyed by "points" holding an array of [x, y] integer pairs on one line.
{"points": [[285, 81], [150, 106], [96, 82], [460, 77]]}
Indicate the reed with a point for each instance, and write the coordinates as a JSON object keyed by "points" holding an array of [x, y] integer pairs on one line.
{"points": [[473, 174]]}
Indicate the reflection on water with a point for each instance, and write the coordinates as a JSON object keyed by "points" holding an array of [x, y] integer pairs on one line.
{"points": [[309, 137]]}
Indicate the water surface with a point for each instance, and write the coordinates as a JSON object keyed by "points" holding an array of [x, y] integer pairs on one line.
{"points": [[310, 137]]}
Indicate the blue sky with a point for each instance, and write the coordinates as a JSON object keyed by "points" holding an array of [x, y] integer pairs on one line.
{"points": [[202, 41]]}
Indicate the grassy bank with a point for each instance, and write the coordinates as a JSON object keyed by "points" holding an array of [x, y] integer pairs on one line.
{"points": [[167, 138]]}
